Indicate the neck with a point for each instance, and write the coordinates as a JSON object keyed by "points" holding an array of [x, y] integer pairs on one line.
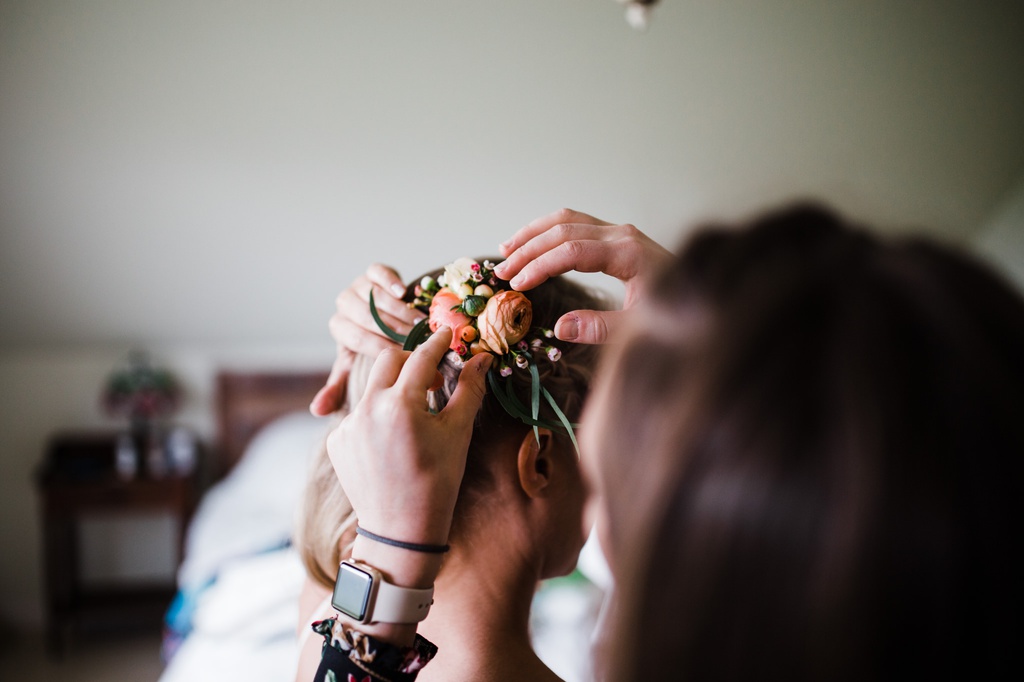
{"points": [[481, 612]]}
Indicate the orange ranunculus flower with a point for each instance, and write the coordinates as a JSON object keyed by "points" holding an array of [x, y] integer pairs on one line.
{"points": [[441, 313], [504, 321]]}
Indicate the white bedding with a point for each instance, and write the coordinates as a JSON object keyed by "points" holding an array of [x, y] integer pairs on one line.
{"points": [[239, 582], [244, 625]]}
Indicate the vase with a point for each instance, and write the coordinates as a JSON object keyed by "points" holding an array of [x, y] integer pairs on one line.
{"points": [[126, 457]]}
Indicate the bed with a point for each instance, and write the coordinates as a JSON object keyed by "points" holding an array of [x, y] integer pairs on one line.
{"points": [[236, 609], [235, 612]]}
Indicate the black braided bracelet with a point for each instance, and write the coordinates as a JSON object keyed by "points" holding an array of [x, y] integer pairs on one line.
{"points": [[411, 546]]}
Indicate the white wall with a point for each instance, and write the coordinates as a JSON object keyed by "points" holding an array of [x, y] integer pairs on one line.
{"points": [[201, 177], [1001, 241]]}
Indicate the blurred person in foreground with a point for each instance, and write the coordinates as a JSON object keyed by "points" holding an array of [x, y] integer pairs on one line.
{"points": [[805, 448]]}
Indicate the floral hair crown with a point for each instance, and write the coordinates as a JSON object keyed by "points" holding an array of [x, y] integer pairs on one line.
{"points": [[487, 319]]}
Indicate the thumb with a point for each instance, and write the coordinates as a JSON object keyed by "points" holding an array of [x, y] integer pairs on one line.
{"points": [[325, 401], [331, 397], [588, 326], [469, 393]]}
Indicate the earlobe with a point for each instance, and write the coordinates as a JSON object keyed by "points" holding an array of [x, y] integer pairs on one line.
{"points": [[535, 462]]}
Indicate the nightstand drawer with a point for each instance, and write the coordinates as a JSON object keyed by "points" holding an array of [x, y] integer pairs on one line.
{"points": [[112, 494]]}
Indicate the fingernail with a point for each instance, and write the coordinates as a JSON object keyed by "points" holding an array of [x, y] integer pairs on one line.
{"points": [[398, 290], [500, 268], [486, 363], [568, 328], [516, 281]]}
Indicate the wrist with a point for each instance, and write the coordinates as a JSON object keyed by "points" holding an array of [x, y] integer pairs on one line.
{"points": [[410, 524], [399, 567]]}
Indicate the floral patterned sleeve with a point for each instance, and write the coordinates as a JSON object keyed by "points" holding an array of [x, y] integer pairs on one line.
{"points": [[351, 656]]}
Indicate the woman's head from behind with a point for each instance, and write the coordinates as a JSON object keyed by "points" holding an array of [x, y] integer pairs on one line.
{"points": [[505, 452], [514, 477], [809, 445]]}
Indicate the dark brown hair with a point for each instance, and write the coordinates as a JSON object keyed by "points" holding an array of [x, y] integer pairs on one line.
{"points": [[816, 460]]}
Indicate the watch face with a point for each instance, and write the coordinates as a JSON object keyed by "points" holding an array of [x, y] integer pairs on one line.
{"points": [[352, 591]]}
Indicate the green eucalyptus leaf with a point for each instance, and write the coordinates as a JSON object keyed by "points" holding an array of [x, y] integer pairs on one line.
{"points": [[506, 398], [417, 335], [499, 394], [562, 418], [535, 398], [388, 331], [521, 412]]}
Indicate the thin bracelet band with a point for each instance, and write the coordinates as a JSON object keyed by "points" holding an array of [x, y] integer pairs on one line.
{"points": [[411, 546]]}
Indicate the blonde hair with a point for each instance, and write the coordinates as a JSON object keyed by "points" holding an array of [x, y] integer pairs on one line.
{"points": [[327, 523]]}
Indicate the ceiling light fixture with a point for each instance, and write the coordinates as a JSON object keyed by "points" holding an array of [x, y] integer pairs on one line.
{"points": [[638, 13]]}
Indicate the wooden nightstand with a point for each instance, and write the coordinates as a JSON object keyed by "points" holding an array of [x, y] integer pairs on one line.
{"points": [[77, 478]]}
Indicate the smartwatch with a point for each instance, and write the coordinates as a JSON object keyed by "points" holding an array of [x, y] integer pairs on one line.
{"points": [[362, 594]]}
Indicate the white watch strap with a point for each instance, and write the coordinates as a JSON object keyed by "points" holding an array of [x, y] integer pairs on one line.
{"points": [[400, 604]]}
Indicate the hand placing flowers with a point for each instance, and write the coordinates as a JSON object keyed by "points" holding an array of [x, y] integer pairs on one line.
{"points": [[485, 318]]}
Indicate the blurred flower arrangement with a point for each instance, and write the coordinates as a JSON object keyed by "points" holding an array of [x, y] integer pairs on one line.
{"points": [[141, 392]]}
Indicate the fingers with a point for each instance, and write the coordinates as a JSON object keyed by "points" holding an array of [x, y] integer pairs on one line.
{"points": [[588, 326], [545, 223], [586, 255], [438, 382], [355, 338], [353, 305], [545, 248], [329, 399], [469, 394], [342, 365], [421, 368], [386, 370], [545, 242], [386, 278], [391, 310]]}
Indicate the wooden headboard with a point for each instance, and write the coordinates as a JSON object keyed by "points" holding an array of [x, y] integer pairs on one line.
{"points": [[247, 401]]}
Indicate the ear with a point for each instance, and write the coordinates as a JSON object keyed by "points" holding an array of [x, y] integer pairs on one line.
{"points": [[536, 462]]}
